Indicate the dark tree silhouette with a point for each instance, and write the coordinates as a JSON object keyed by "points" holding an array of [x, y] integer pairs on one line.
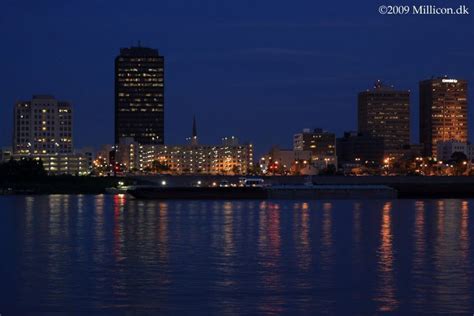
{"points": [[24, 169]]}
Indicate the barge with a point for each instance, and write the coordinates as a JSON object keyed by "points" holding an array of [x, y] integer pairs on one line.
{"points": [[199, 193], [263, 193]]}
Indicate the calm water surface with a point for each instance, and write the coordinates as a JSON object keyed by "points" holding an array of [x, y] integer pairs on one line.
{"points": [[116, 255]]}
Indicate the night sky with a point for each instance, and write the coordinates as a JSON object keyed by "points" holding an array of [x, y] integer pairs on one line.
{"points": [[260, 71]]}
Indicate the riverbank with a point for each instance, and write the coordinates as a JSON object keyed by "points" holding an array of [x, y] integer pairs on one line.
{"points": [[282, 192], [58, 185], [406, 187]]}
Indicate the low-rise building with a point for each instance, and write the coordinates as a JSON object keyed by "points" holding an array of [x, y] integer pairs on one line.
{"points": [[60, 164], [356, 147], [320, 143], [285, 161], [228, 158], [5, 154], [445, 150], [291, 162]]}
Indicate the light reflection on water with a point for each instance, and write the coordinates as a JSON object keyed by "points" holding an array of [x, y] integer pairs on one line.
{"points": [[386, 298], [95, 253]]}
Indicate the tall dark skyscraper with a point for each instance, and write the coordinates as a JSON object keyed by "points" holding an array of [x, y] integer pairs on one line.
{"points": [[385, 112], [139, 95], [443, 112]]}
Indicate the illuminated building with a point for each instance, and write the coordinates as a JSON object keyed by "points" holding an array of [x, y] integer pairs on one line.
{"points": [[139, 95], [443, 112], [207, 159], [320, 143], [385, 112], [103, 160], [229, 158], [127, 154], [72, 163], [42, 126], [360, 148], [43, 130], [287, 161]]}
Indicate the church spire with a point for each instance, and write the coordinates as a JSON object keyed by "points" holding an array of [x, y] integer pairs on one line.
{"points": [[194, 138], [194, 127]]}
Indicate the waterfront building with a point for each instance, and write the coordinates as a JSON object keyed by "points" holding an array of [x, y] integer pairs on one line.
{"points": [[5, 154], [446, 149], [61, 164], [207, 159], [88, 154], [104, 159], [139, 95], [385, 112], [287, 161], [42, 125], [43, 130], [320, 143], [127, 154], [193, 158], [443, 112], [410, 152], [360, 148]]}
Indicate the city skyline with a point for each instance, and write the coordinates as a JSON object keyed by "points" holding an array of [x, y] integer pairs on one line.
{"points": [[360, 117], [237, 157], [286, 64]]}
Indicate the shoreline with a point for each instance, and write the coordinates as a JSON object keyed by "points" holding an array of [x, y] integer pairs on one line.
{"points": [[406, 187]]}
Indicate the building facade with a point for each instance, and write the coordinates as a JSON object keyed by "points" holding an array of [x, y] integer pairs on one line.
{"points": [[5, 154], [287, 161], [320, 143], [443, 112], [61, 164], [207, 159], [139, 95], [43, 130], [356, 147], [42, 126], [446, 149], [385, 112], [227, 158]]}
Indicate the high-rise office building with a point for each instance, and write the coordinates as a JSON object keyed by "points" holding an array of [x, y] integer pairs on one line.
{"points": [[385, 112], [443, 112], [139, 95], [42, 126]]}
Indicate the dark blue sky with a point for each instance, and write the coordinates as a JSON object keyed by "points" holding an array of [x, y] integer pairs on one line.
{"points": [[260, 71]]}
